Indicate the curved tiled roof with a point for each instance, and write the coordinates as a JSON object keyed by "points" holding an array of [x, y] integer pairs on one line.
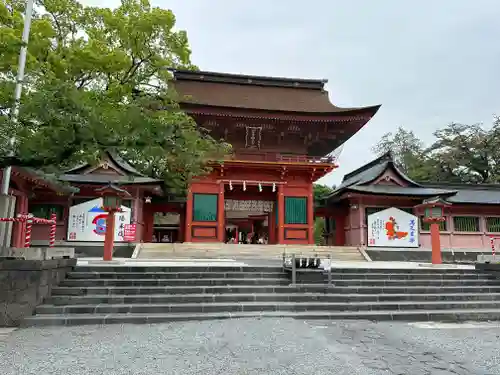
{"points": [[260, 93]]}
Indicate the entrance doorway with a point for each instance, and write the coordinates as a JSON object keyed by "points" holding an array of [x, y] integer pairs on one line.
{"points": [[247, 221], [166, 227]]}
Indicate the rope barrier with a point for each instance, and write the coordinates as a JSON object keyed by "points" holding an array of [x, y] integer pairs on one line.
{"points": [[28, 220]]}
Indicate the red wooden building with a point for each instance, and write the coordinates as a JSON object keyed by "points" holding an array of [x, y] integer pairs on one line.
{"points": [[282, 131]]}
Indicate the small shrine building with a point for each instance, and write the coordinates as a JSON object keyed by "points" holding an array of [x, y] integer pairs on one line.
{"points": [[472, 219]]}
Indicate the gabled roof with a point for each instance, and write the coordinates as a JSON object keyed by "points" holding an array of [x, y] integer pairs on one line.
{"points": [[361, 181], [373, 170], [260, 93], [125, 174], [46, 181], [113, 157]]}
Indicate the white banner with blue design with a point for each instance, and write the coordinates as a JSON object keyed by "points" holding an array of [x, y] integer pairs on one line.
{"points": [[87, 222]]}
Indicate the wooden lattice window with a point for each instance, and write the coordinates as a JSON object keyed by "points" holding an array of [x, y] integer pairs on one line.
{"points": [[427, 226], [205, 207], [493, 224], [466, 223], [295, 210]]}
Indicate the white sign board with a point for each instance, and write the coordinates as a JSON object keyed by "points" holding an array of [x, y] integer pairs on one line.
{"points": [[87, 222], [392, 228]]}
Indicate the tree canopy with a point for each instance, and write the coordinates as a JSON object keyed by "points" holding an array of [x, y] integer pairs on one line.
{"points": [[98, 79], [320, 191], [460, 153]]}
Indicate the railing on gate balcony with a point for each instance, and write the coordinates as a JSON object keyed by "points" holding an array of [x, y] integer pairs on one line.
{"points": [[278, 157]]}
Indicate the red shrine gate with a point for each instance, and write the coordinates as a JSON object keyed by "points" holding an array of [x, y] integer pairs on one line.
{"points": [[280, 195]]}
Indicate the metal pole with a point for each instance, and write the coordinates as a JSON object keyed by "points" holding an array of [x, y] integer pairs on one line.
{"points": [[19, 86], [329, 270]]}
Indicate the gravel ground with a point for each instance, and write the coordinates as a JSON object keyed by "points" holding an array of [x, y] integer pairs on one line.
{"points": [[252, 346]]}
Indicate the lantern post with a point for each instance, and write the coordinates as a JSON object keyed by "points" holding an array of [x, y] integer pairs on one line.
{"points": [[112, 197], [433, 211]]}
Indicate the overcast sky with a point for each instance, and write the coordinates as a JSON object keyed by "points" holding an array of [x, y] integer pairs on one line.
{"points": [[427, 62]]}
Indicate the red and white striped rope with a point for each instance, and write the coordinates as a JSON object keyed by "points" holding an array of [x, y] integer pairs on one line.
{"points": [[12, 219], [27, 237], [30, 220], [492, 241], [52, 233]]}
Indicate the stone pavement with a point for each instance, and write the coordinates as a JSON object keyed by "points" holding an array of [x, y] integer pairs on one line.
{"points": [[254, 346]]}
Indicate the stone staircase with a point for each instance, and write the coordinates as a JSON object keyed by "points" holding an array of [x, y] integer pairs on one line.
{"points": [[236, 251], [134, 294]]}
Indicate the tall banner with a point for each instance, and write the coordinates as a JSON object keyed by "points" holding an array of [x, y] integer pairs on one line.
{"points": [[392, 227], [87, 222]]}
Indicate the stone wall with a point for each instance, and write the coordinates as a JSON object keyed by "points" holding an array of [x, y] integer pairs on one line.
{"points": [[24, 284]]}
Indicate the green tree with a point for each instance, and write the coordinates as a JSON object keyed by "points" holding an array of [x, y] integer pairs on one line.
{"points": [[320, 192], [469, 153], [460, 153], [409, 153], [98, 79]]}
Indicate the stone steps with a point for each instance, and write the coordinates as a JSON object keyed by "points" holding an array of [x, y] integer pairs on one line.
{"points": [[262, 306], [179, 269], [313, 288], [409, 315], [238, 251], [143, 294], [173, 282], [263, 297], [414, 276], [249, 275], [173, 275]]}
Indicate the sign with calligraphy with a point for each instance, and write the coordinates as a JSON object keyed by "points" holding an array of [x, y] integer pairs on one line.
{"points": [[129, 232], [248, 205], [87, 222], [392, 228]]}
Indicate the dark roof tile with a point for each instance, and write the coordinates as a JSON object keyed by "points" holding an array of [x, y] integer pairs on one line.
{"points": [[106, 179], [401, 190], [261, 93]]}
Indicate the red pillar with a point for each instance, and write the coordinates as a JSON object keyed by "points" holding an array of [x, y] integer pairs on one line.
{"points": [[189, 215], [271, 225], [310, 215], [182, 224], [281, 215], [220, 214], [148, 220], [436, 244], [109, 236], [340, 230]]}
